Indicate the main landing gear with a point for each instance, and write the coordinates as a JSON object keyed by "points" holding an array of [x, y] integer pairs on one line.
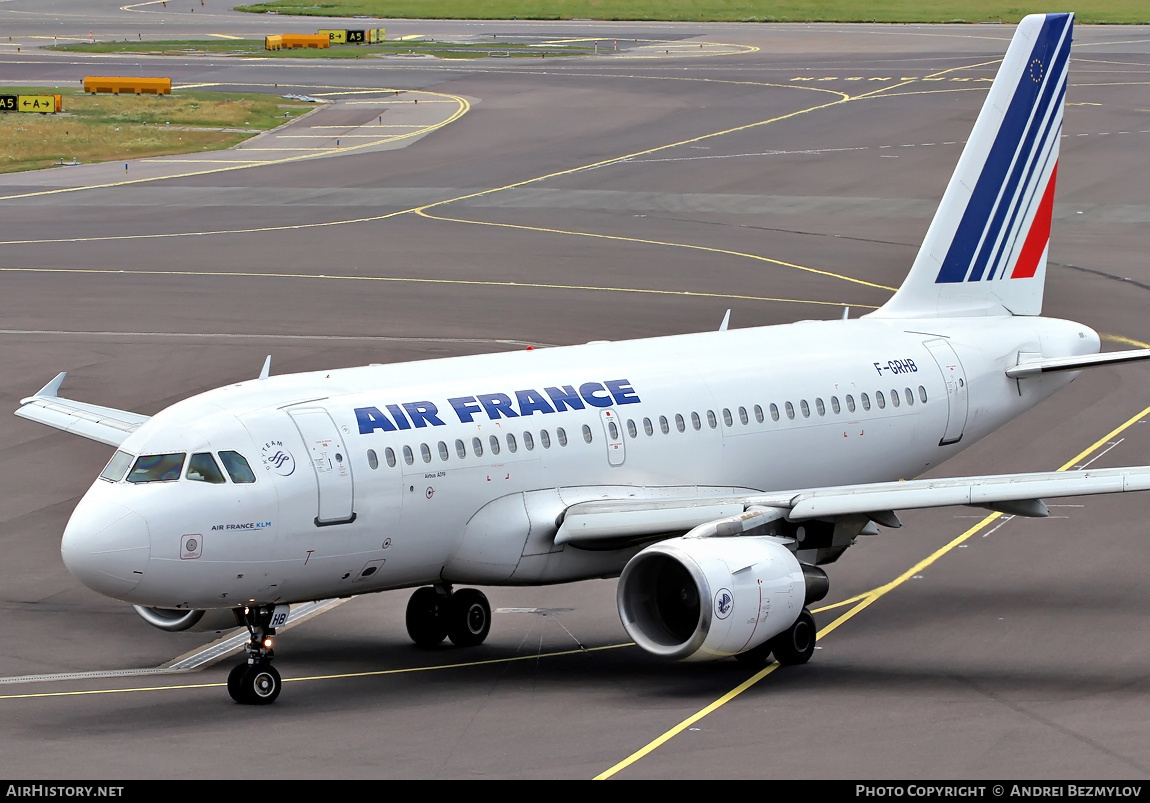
{"points": [[256, 681], [793, 646], [435, 613]]}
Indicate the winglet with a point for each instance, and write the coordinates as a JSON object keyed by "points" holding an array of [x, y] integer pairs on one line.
{"points": [[267, 367], [50, 390]]}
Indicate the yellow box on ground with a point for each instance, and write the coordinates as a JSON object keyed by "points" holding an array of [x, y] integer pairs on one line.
{"points": [[131, 84], [305, 40], [273, 42], [334, 37], [376, 35]]}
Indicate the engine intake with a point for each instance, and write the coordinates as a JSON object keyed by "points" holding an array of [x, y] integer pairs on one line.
{"points": [[702, 599], [176, 620]]}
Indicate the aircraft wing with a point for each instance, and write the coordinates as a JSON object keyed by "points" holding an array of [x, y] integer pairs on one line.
{"points": [[1008, 492], [1017, 494], [103, 424]]}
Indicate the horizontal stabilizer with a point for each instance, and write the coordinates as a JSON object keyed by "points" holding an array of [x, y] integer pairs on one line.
{"points": [[104, 424], [1036, 367]]}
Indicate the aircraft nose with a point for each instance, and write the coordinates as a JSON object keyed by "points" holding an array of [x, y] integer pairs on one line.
{"points": [[106, 546]]}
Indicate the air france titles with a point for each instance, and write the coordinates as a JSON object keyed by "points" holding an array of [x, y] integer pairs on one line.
{"points": [[495, 406]]}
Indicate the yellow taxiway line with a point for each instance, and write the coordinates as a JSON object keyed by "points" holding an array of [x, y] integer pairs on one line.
{"points": [[862, 602]]}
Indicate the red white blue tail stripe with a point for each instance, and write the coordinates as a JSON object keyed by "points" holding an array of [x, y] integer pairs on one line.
{"points": [[985, 251], [1018, 175]]}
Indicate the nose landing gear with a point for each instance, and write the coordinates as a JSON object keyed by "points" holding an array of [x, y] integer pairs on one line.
{"points": [[256, 681], [435, 613]]}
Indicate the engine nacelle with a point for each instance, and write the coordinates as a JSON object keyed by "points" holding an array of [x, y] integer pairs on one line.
{"points": [[701, 599], [175, 620]]}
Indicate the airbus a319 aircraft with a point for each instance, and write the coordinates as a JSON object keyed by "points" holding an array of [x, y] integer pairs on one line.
{"points": [[655, 460]]}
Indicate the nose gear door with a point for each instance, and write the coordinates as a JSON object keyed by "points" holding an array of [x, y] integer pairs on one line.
{"points": [[328, 455]]}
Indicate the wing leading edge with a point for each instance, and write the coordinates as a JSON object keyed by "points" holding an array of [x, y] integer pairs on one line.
{"points": [[103, 424]]}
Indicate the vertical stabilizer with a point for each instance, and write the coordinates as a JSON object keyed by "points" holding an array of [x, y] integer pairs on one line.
{"points": [[985, 250]]}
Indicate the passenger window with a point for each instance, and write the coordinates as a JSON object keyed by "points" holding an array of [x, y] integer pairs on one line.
{"points": [[202, 468], [587, 433], [611, 428], [372, 459], [835, 405], [790, 411], [647, 427], [631, 430], [908, 394], [664, 424], [865, 401], [806, 408], [237, 467], [443, 453], [894, 397], [408, 457], [850, 403], [545, 439], [561, 434], [922, 394], [494, 442], [743, 415], [512, 446], [727, 417], [425, 451], [389, 456], [528, 441], [879, 399], [712, 421], [116, 467], [759, 413], [680, 424], [820, 407], [775, 412], [460, 449], [696, 422], [477, 447], [157, 468]]}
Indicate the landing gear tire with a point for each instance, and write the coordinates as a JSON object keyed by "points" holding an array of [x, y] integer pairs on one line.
{"points": [[426, 617], [469, 618], [254, 684], [796, 644]]}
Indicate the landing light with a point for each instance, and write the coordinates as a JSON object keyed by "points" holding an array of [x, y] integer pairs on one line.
{"points": [[267, 643]]}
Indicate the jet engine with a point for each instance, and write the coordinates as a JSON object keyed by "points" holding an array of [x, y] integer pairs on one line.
{"points": [[702, 599], [175, 620]]}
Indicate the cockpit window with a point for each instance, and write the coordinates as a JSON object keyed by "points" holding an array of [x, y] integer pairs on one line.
{"points": [[156, 468], [114, 472], [202, 468], [237, 467]]}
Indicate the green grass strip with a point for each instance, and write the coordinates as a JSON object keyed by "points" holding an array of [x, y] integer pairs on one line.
{"points": [[103, 128], [1087, 11]]}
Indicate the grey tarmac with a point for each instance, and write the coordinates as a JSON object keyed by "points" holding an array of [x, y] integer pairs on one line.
{"points": [[789, 172]]}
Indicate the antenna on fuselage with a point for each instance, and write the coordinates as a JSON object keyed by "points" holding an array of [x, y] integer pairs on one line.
{"points": [[846, 312], [726, 320], [267, 367]]}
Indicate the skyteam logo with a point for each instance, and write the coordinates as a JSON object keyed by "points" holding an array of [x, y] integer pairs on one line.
{"points": [[277, 458], [724, 603], [1003, 229]]}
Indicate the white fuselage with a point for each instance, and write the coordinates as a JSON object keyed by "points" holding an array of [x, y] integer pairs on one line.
{"points": [[328, 515]]}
